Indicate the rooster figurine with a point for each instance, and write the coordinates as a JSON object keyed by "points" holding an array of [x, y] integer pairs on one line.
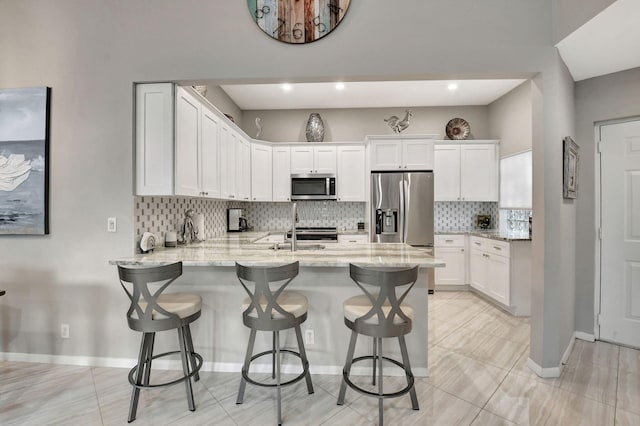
{"points": [[398, 125]]}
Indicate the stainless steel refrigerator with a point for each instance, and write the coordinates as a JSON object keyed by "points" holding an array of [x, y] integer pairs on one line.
{"points": [[402, 210]]}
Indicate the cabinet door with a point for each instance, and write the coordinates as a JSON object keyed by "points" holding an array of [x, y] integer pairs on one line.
{"points": [[154, 139], [261, 165], [302, 160], [478, 270], [281, 173], [386, 155], [479, 172], [498, 278], [210, 154], [324, 159], [243, 168], [188, 110], [417, 154], [227, 162], [351, 173], [453, 273], [446, 174]]}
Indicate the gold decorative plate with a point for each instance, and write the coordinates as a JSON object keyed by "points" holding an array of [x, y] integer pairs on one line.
{"points": [[457, 129], [297, 21]]}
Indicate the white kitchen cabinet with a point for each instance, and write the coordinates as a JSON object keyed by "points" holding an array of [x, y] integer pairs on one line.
{"points": [[313, 159], [281, 173], [196, 147], [228, 142], [353, 238], [154, 139], [401, 154], [466, 172], [351, 173], [451, 250], [490, 268], [243, 168], [261, 172]]}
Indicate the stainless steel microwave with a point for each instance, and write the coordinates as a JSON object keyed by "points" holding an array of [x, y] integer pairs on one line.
{"points": [[313, 187]]}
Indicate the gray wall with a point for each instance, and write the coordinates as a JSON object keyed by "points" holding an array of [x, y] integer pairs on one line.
{"points": [[91, 53], [224, 103], [510, 120], [603, 98], [569, 15]]}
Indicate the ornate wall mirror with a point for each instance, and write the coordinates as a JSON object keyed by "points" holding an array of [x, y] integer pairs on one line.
{"points": [[297, 21]]}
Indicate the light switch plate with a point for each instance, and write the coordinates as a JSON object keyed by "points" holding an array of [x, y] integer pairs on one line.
{"points": [[111, 224]]}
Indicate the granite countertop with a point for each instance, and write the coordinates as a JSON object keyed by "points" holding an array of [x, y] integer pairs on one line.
{"points": [[494, 234], [231, 247]]}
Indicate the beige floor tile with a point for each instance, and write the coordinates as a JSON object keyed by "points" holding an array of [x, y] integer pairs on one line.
{"points": [[486, 418], [629, 359], [457, 311], [626, 418], [464, 377], [590, 380], [484, 347], [529, 402], [522, 369], [601, 353], [629, 391], [501, 325], [346, 417], [439, 329]]}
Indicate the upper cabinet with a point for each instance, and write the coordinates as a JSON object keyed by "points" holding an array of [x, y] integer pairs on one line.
{"points": [[281, 172], [401, 153], [313, 159], [351, 173], [261, 172], [243, 168], [466, 172]]}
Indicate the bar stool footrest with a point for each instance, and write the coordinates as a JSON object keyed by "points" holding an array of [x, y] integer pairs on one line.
{"points": [[173, 382], [305, 370], [403, 391]]}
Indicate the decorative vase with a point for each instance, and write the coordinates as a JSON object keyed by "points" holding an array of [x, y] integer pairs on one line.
{"points": [[315, 128]]}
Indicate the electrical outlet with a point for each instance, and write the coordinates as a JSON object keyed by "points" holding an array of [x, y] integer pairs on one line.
{"points": [[64, 331], [309, 337], [111, 224]]}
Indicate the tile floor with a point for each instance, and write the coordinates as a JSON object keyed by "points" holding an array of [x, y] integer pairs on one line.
{"points": [[478, 377]]}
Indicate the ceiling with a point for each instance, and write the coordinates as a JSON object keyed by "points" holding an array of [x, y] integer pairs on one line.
{"points": [[369, 94], [610, 42]]}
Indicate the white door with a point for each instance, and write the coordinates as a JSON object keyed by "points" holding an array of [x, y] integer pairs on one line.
{"points": [[324, 159], [620, 246], [417, 154], [351, 173], [187, 137], [386, 155], [479, 172], [261, 172], [210, 154], [446, 173], [281, 173], [301, 160]]}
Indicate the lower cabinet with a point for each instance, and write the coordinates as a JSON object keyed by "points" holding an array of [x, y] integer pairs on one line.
{"points": [[451, 250], [489, 268]]}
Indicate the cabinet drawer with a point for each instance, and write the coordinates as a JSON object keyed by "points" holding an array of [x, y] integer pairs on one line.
{"points": [[449, 240], [501, 248], [354, 238], [478, 243]]}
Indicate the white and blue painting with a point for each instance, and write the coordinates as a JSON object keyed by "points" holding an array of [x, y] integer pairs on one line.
{"points": [[23, 160]]}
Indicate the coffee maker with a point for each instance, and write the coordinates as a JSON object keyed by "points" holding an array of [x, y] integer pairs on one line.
{"points": [[236, 221]]}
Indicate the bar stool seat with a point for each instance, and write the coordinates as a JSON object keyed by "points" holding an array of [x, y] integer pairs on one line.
{"points": [[272, 310], [152, 311], [379, 313]]}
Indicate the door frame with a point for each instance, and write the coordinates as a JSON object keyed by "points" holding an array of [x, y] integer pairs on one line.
{"points": [[598, 218]]}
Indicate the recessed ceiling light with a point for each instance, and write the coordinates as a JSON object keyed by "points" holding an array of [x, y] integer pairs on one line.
{"points": [[339, 86], [287, 87], [452, 87]]}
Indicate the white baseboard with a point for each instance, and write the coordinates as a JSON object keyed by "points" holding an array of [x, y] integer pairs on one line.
{"points": [[585, 336], [551, 372]]}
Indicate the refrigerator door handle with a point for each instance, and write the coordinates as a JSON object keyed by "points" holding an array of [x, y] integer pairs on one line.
{"points": [[402, 210]]}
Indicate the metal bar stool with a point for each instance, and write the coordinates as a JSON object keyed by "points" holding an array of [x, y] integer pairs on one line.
{"points": [[379, 313], [152, 311], [267, 310]]}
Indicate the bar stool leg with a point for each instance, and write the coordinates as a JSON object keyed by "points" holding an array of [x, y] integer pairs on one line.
{"points": [[245, 367], [380, 383], [273, 356], [408, 373], [375, 357], [303, 358], [148, 357], [185, 369], [347, 366], [279, 396], [142, 356], [191, 351]]}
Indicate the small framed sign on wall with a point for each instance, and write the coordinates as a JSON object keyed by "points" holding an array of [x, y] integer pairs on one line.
{"points": [[24, 161], [570, 171]]}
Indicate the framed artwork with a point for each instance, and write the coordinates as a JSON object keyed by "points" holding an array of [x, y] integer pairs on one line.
{"points": [[297, 21], [24, 161], [570, 171]]}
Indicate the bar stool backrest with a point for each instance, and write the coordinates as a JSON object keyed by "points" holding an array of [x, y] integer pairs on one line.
{"points": [[256, 281], [145, 314], [382, 283]]}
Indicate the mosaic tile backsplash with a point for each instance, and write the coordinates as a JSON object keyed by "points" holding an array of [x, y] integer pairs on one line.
{"points": [[277, 216], [461, 215]]}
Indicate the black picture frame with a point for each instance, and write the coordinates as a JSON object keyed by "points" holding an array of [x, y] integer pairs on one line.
{"points": [[571, 159]]}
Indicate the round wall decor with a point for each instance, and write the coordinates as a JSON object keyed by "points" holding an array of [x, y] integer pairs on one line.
{"points": [[457, 129], [297, 21]]}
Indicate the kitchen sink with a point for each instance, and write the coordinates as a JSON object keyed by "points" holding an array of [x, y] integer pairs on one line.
{"points": [[287, 246]]}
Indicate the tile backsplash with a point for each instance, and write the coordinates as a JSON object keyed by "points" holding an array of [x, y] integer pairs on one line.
{"points": [[277, 216], [460, 215]]}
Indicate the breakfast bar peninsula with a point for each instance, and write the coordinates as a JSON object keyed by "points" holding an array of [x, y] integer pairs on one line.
{"points": [[324, 279]]}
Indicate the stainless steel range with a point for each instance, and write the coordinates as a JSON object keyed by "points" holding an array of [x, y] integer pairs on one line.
{"points": [[328, 234]]}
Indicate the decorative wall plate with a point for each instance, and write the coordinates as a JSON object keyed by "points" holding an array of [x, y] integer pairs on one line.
{"points": [[297, 21], [457, 129]]}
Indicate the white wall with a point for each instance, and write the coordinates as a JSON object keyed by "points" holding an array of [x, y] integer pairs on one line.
{"points": [[510, 120], [91, 53], [569, 15]]}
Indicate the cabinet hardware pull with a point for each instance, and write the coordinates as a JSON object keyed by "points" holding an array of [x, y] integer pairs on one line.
{"points": [[449, 241], [476, 243], [497, 248]]}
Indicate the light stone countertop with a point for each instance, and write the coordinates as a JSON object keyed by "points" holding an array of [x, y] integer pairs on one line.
{"points": [[493, 234], [241, 247]]}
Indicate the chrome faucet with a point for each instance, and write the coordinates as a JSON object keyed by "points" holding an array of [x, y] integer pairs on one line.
{"points": [[294, 219]]}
